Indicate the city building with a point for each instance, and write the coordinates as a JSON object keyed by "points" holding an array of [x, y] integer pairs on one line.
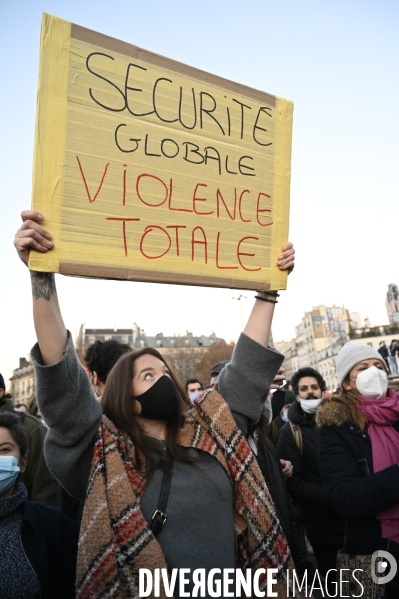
{"points": [[374, 335], [321, 328], [323, 332], [326, 363], [356, 321], [291, 363], [392, 303], [182, 352], [23, 382], [87, 337]]}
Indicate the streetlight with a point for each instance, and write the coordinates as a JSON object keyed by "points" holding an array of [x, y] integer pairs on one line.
{"points": [[240, 298]]}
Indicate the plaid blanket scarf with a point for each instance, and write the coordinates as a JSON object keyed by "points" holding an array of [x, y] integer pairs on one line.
{"points": [[115, 540]]}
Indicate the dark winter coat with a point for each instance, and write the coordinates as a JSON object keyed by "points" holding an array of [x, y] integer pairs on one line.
{"points": [[383, 351], [322, 523], [356, 492], [346, 464], [277, 401], [40, 483], [50, 543], [394, 349], [269, 464]]}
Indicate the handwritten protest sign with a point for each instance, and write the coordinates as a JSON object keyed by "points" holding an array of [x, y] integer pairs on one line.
{"points": [[150, 170]]}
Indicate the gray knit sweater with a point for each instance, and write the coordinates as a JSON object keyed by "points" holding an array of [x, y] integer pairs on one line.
{"points": [[200, 528]]}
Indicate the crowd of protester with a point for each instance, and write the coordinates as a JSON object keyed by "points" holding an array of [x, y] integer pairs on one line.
{"points": [[157, 474]]}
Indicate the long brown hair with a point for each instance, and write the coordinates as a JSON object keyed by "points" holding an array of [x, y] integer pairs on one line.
{"points": [[117, 402], [351, 400]]}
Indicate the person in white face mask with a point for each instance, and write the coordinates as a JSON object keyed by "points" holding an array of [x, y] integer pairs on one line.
{"points": [[359, 454], [299, 442]]}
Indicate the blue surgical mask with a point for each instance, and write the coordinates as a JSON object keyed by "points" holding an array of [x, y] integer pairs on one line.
{"points": [[194, 395], [9, 470]]}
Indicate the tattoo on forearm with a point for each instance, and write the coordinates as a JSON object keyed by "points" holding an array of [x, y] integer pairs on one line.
{"points": [[43, 285]]}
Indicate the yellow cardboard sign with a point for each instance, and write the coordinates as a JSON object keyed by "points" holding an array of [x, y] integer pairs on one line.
{"points": [[150, 170]]}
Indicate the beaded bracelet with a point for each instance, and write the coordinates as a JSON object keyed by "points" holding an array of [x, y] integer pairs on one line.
{"points": [[265, 299], [273, 293]]}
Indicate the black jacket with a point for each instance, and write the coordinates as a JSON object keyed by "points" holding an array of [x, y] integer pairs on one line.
{"points": [[356, 492], [269, 464], [394, 349], [305, 486], [383, 351], [50, 542]]}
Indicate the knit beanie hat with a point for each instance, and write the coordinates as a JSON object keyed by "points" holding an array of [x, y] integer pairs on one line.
{"points": [[2, 385], [351, 354]]}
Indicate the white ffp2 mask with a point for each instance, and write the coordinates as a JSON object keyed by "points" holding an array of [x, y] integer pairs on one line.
{"points": [[372, 382], [309, 405]]}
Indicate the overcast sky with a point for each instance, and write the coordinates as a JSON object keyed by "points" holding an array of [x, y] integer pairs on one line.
{"points": [[337, 61]]}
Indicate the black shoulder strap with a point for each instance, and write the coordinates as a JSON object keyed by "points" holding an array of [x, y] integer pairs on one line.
{"points": [[159, 517]]}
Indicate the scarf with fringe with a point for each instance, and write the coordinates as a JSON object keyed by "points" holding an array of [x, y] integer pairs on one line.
{"points": [[115, 539]]}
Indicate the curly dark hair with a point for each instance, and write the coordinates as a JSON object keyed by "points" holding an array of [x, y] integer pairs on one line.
{"points": [[302, 372], [13, 423], [102, 356]]}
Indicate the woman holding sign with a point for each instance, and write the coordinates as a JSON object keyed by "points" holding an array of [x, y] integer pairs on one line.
{"points": [[167, 489]]}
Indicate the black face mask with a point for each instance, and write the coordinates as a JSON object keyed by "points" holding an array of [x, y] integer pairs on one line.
{"points": [[161, 401]]}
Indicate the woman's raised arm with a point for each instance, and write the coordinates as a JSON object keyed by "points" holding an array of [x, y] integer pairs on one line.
{"points": [[259, 323], [66, 400], [50, 329], [245, 381]]}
